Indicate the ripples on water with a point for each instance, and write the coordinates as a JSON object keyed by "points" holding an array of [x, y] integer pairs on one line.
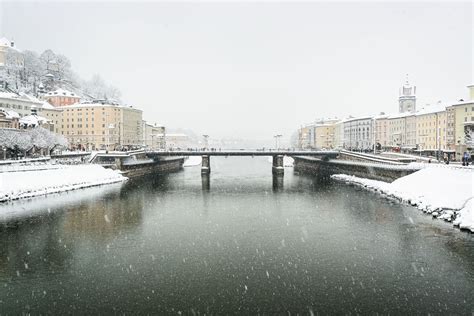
{"points": [[166, 245]]}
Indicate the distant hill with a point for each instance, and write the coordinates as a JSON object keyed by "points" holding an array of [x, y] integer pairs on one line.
{"points": [[26, 71]]}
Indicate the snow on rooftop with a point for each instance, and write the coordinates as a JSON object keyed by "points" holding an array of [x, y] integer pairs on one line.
{"points": [[99, 105], [400, 115], [62, 92], [360, 118], [5, 42], [22, 97], [47, 105], [9, 114], [32, 120], [430, 109]]}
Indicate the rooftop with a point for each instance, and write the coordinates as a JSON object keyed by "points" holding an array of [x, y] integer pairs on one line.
{"points": [[61, 92]]}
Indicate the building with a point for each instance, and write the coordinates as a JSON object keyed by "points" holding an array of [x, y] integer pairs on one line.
{"points": [[61, 97], [176, 140], [306, 136], [324, 136], [5, 44], [402, 131], [94, 126], [338, 141], [407, 98], [431, 123], [460, 125], [154, 136], [9, 119], [20, 103], [51, 113], [382, 131], [33, 121], [359, 133]]}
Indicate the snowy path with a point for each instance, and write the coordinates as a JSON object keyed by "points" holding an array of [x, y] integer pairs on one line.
{"points": [[26, 184], [446, 193]]}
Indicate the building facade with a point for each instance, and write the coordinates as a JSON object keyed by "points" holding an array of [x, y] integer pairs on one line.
{"points": [[154, 136], [359, 134], [382, 131], [431, 127], [324, 135], [460, 125], [9, 119], [402, 131], [22, 104], [93, 126], [61, 97]]}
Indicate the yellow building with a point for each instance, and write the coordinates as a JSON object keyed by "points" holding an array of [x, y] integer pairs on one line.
{"points": [[52, 114], [382, 131], [304, 136], [460, 125], [324, 135], [338, 141], [94, 126], [431, 123], [401, 130]]}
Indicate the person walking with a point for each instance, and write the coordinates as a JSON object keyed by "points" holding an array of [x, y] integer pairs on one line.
{"points": [[465, 159]]}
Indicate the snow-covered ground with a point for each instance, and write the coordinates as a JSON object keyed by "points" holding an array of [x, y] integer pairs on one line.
{"points": [[26, 184], [446, 193], [192, 161], [28, 167]]}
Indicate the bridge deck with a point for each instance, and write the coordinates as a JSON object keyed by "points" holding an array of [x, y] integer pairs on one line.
{"points": [[243, 153]]}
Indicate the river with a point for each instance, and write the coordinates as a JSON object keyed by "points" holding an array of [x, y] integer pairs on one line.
{"points": [[168, 245]]}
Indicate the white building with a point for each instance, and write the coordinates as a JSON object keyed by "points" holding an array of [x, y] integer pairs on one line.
{"points": [[359, 133]]}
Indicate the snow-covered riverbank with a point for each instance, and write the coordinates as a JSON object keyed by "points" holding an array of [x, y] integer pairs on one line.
{"points": [[446, 193], [26, 184]]}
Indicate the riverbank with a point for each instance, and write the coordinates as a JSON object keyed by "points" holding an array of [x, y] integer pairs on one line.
{"points": [[41, 181], [445, 193]]}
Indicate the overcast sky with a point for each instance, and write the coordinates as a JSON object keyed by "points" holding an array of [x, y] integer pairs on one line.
{"points": [[255, 69]]}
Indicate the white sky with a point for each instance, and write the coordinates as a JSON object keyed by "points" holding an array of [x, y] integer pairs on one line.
{"points": [[252, 70]]}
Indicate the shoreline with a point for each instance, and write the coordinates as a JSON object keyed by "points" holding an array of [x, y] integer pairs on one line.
{"points": [[459, 213], [42, 182]]}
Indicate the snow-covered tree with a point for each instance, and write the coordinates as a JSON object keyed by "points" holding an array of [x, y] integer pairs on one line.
{"points": [[24, 141]]}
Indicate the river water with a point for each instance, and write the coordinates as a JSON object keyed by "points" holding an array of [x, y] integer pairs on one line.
{"points": [[166, 245]]}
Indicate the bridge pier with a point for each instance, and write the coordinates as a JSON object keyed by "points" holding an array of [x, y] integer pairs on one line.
{"points": [[206, 165], [278, 168]]}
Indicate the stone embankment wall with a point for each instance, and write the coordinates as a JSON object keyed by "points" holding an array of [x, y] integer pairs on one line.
{"points": [[140, 169], [376, 171]]}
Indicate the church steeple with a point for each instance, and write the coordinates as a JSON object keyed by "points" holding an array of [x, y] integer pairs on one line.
{"points": [[407, 97]]}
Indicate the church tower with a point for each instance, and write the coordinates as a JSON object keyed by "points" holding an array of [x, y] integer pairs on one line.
{"points": [[407, 98]]}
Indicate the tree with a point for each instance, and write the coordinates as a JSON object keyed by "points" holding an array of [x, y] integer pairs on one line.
{"points": [[24, 141], [63, 67], [47, 59]]}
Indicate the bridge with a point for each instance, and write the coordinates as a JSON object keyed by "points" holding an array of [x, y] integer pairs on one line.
{"points": [[277, 154]]}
